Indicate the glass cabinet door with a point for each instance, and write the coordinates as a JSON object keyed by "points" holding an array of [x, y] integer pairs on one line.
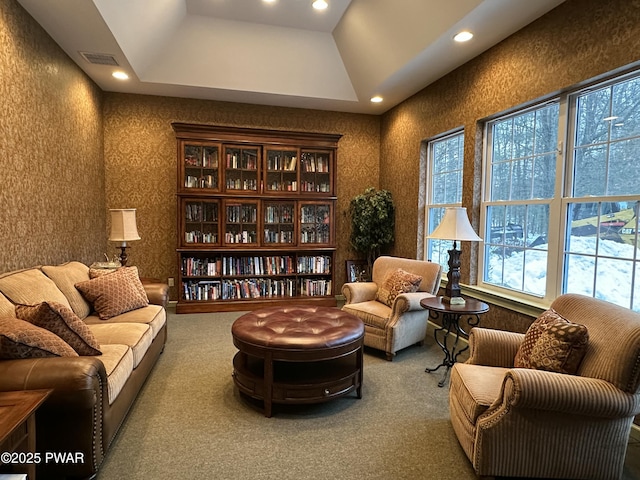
{"points": [[279, 223], [241, 222], [315, 223], [200, 225], [200, 166], [316, 168], [281, 171], [241, 170]]}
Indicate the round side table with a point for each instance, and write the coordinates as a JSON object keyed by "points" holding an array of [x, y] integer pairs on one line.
{"points": [[451, 324]]}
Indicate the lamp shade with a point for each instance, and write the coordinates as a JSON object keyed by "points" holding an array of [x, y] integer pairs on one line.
{"points": [[123, 225], [455, 226]]}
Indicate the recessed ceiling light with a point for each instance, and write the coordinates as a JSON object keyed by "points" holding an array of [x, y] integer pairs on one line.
{"points": [[376, 99], [463, 36], [120, 75], [608, 119], [320, 4], [269, 1]]}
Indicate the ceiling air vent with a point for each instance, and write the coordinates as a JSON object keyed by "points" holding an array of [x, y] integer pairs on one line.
{"points": [[100, 58]]}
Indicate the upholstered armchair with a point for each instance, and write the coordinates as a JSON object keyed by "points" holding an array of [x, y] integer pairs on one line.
{"points": [[393, 321], [531, 422]]}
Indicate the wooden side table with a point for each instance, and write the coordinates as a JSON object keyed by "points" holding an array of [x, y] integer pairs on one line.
{"points": [[18, 430], [451, 316]]}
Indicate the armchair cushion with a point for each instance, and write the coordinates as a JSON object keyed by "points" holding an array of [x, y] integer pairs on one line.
{"points": [[397, 282], [560, 348]]}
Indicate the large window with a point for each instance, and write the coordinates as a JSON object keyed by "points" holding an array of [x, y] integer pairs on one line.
{"points": [[560, 220], [445, 157]]}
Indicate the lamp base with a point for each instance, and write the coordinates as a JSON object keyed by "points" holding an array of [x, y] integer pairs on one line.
{"points": [[454, 300]]}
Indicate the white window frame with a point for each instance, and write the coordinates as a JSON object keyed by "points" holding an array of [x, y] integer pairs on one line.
{"points": [[558, 205], [429, 189]]}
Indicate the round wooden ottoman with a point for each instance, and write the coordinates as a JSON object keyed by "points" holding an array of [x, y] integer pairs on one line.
{"points": [[298, 354]]}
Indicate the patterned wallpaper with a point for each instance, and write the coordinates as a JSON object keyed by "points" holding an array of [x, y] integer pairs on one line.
{"points": [[53, 190], [141, 165], [577, 41]]}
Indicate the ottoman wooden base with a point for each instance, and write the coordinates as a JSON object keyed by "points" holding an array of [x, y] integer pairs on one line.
{"points": [[297, 355]]}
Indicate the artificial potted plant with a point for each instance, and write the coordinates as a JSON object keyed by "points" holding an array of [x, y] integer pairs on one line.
{"points": [[372, 222]]}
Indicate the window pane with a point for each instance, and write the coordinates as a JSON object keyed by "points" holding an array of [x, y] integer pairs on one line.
{"points": [[580, 271], [613, 281], [535, 278], [501, 181], [523, 134], [625, 110], [521, 180], [624, 168], [547, 129], [544, 177], [590, 173], [502, 140], [593, 108]]}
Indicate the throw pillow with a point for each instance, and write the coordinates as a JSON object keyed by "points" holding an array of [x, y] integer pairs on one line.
{"points": [[395, 283], [534, 332], [115, 293], [62, 321], [560, 348], [20, 339]]}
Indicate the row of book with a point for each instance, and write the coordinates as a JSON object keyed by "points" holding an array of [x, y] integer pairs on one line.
{"points": [[315, 187], [278, 214], [312, 163], [204, 181], [256, 265], [248, 160], [274, 236], [241, 237], [254, 288], [282, 186], [240, 184], [196, 236], [201, 212], [278, 162], [196, 156], [242, 214]]}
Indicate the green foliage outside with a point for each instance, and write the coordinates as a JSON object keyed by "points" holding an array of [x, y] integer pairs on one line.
{"points": [[372, 222]]}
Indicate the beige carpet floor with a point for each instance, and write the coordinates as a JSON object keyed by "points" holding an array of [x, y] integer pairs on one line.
{"points": [[189, 422]]}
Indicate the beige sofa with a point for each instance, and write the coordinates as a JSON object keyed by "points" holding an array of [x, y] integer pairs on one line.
{"points": [[402, 322], [92, 394]]}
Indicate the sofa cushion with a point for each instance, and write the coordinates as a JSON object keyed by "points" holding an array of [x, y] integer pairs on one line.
{"points": [[115, 293], [153, 315], [534, 332], [476, 387], [560, 348], [7, 309], [118, 363], [397, 282], [137, 336], [65, 277], [30, 287], [62, 321], [20, 339]]}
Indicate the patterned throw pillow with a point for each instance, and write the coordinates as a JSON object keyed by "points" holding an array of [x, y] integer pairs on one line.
{"points": [[395, 283], [20, 339], [62, 321], [531, 337], [115, 293], [560, 348]]}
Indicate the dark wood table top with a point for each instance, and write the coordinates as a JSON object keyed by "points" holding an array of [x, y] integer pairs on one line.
{"points": [[472, 306], [16, 406]]}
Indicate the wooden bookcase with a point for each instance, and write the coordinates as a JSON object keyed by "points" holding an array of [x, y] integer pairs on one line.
{"points": [[256, 218]]}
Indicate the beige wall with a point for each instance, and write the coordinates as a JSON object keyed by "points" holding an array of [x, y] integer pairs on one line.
{"points": [[141, 165], [52, 186]]}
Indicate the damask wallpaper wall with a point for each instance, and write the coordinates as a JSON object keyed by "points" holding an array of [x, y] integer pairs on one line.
{"points": [[52, 191], [141, 166], [575, 42]]}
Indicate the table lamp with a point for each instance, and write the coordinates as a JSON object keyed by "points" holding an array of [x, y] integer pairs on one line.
{"points": [[454, 226], [123, 229]]}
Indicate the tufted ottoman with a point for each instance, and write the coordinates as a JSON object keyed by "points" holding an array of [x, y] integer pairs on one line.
{"points": [[298, 354]]}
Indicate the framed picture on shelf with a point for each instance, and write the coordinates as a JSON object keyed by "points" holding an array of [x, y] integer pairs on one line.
{"points": [[358, 271]]}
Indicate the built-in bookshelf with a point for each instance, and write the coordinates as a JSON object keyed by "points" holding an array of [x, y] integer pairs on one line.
{"points": [[256, 218]]}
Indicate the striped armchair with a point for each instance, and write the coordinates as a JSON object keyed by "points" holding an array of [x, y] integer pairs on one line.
{"points": [[533, 423]]}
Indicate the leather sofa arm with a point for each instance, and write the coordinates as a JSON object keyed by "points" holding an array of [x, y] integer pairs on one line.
{"points": [[157, 292], [493, 348], [570, 394], [76, 381], [358, 292]]}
